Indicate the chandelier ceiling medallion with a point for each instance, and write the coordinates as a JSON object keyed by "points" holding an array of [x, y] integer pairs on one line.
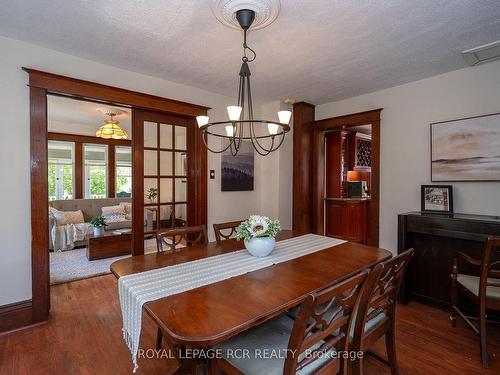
{"points": [[266, 136], [111, 129]]}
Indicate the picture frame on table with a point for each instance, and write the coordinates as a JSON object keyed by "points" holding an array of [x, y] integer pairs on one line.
{"points": [[437, 199]]}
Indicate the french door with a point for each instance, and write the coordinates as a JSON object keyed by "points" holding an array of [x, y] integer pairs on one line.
{"points": [[169, 174]]}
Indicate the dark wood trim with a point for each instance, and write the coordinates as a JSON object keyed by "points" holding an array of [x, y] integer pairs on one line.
{"points": [[137, 182], [39, 205], [87, 139], [15, 315], [85, 89], [303, 118], [78, 169], [318, 178], [41, 84], [111, 172]]}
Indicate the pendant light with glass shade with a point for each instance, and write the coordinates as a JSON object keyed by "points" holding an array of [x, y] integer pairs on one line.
{"points": [[266, 136], [111, 129]]}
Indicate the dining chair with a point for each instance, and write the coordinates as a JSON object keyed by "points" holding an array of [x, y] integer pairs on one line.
{"points": [[188, 236], [375, 315], [483, 289], [311, 341], [218, 228]]}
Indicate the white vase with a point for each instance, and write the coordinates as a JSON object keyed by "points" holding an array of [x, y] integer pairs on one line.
{"points": [[260, 247], [98, 231]]}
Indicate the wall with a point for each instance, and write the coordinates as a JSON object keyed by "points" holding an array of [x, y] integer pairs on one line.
{"points": [[405, 144], [15, 222]]}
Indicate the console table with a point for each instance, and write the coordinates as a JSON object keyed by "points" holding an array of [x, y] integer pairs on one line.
{"points": [[436, 239]]}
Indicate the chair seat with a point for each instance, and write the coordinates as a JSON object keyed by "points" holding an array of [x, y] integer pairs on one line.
{"points": [[472, 284], [268, 340]]}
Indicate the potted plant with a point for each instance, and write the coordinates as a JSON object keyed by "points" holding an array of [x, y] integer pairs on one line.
{"points": [[152, 193], [259, 234], [98, 223]]}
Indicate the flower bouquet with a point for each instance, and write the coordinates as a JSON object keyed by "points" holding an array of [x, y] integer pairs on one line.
{"points": [[259, 234]]}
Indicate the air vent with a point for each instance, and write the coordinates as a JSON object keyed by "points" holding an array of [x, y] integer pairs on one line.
{"points": [[482, 54]]}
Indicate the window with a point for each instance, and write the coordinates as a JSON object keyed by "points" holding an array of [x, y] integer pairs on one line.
{"points": [[61, 163], [96, 165], [123, 163]]}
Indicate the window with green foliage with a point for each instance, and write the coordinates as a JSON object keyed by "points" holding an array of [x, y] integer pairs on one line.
{"points": [[96, 165], [61, 169], [123, 162]]}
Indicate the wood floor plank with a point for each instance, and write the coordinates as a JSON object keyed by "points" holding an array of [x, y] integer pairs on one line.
{"points": [[84, 337]]}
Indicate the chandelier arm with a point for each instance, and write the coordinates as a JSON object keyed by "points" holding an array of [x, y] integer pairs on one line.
{"points": [[210, 149], [261, 150]]}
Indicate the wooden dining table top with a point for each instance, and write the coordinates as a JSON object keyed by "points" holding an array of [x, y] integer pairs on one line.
{"points": [[211, 314]]}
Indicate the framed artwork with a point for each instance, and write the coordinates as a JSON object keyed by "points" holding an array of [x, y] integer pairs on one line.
{"points": [[466, 150], [237, 171], [437, 199]]}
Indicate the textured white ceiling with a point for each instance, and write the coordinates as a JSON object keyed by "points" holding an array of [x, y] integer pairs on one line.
{"points": [[319, 51]]}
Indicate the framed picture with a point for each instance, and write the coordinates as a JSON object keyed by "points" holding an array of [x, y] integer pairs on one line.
{"points": [[237, 171], [466, 150], [437, 199]]}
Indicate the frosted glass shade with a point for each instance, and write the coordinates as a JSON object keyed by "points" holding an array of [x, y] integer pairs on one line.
{"points": [[229, 130], [284, 117], [234, 112], [273, 128], [202, 120]]}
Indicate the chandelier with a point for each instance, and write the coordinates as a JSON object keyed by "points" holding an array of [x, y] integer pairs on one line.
{"points": [[111, 129], [266, 136]]}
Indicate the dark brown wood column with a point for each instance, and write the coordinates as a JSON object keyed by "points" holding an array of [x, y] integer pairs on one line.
{"points": [[303, 118]]}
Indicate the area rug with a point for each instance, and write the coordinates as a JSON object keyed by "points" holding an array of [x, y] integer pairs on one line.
{"points": [[71, 265]]}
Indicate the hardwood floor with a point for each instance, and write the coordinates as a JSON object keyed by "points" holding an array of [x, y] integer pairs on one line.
{"points": [[84, 337]]}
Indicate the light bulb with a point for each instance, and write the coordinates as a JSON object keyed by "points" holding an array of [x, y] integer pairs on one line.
{"points": [[273, 128], [284, 117], [202, 120], [229, 130], [234, 112]]}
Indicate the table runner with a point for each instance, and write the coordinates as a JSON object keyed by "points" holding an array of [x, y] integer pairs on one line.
{"points": [[137, 289]]}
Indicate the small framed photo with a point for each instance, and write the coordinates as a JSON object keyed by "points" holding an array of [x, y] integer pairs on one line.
{"points": [[437, 199]]}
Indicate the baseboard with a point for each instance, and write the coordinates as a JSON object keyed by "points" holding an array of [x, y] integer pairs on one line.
{"points": [[15, 315]]}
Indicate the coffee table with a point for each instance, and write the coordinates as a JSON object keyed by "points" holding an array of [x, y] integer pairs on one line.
{"points": [[108, 245]]}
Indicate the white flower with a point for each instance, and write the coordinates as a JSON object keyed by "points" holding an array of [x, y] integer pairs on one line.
{"points": [[258, 225]]}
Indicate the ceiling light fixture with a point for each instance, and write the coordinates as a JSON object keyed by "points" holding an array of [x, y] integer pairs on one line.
{"points": [[111, 129], [266, 136]]}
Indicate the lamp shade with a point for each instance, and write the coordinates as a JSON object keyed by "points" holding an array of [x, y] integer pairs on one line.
{"points": [[284, 117], [111, 130], [273, 128], [234, 112], [202, 120], [229, 130]]}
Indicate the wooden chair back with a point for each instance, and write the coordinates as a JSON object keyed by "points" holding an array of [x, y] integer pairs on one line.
{"points": [[319, 318], [379, 296], [218, 228], [195, 235], [489, 267]]}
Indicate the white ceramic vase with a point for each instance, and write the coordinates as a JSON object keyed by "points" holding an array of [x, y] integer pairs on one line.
{"points": [[260, 247], [98, 231]]}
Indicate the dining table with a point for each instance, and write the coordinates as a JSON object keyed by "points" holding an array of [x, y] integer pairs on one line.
{"points": [[206, 316]]}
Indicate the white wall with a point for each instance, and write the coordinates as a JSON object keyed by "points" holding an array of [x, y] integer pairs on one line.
{"points": [[405, 144], [15, 222]]}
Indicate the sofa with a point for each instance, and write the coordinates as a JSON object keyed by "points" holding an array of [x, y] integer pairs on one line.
{"points": [[90, 209]]}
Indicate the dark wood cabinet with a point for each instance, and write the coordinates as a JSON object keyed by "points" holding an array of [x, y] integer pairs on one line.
{"points": [[346, 219], [336, 164], [436, 239], [360, 152]]}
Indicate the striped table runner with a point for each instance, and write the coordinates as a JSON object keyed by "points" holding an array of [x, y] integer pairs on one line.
{"points": [[137, 289]]}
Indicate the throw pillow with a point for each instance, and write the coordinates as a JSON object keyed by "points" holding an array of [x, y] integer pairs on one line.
{"points": [[114, 218], [128, 209], [113, 210], [68, 217]]}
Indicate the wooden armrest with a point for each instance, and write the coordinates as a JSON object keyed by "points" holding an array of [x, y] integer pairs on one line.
{"points": [[462, 256]]}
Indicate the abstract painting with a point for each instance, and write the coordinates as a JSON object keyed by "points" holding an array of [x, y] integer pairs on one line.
{"points": [[237, 171], [466, 149]]}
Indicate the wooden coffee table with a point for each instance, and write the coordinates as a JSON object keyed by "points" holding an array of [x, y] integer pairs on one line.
{"points": [[108, 245]]}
